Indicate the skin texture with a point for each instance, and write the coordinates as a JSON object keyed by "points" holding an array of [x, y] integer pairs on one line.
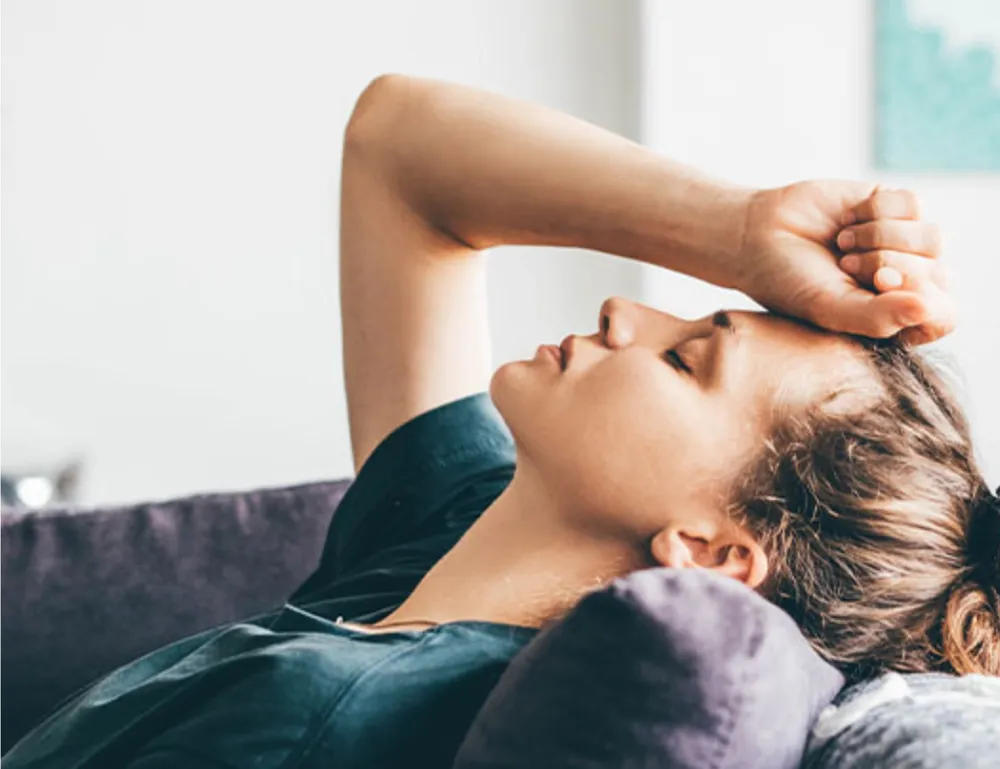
{"points": [[473, 170], [621, 459], [890, 280], [624, 458], [652, 442]]}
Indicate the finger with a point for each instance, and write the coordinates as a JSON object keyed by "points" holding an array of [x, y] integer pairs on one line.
{"points": [[892, 270], [912, 237], [879, 316], [941, 322], [884, 203], [921, 310], [925, 333], [918, 335]]}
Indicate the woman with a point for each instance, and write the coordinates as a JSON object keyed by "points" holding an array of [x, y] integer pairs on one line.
{"points": [[834, 475]]}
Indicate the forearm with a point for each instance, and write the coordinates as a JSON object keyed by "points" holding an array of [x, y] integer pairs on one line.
{"points": [[488, 170]]}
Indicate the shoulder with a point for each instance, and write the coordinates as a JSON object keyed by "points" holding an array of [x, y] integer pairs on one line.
{"points": [[414, 497]]}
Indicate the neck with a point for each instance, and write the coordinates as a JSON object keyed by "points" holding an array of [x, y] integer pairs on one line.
{"points": [[521, 563]]}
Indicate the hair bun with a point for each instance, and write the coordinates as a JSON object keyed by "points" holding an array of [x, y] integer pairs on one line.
{"points": [[984, 538]]}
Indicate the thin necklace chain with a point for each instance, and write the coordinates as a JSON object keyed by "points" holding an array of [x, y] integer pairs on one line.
{"points": [[425, 622]]}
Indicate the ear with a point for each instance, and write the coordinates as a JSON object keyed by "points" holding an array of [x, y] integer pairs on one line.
{"points": [[731, 552]]}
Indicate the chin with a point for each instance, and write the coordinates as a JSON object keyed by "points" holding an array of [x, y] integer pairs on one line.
{"points": [[502, 388], [513, 391]]}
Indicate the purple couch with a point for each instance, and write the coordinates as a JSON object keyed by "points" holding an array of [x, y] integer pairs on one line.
{"points": [[85, 591]]}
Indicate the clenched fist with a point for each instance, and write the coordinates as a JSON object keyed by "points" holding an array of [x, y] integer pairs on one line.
{"points": [[848, 256]]}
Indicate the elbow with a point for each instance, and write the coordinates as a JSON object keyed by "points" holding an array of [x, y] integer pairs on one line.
{"points": [[375, 112]]}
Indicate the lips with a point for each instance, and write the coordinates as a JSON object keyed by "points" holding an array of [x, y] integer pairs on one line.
{"points": [[551, 351]]}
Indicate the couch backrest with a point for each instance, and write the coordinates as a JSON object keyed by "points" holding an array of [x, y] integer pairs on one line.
{"points": [[85, 591]]}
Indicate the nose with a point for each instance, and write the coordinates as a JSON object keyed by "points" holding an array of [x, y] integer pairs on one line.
{"points": [[617, 322], [623, 323]]}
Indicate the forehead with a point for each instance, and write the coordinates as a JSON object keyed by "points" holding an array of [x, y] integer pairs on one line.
{"points": [[795, 362], [782, 332]]}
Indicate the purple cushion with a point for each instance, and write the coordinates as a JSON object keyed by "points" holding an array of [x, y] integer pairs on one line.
{"points": [[87, 591], [665, 668]]}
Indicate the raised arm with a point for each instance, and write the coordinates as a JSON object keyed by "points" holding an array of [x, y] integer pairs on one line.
{"points": [[435, 172], [432, 174], [487, 170]]}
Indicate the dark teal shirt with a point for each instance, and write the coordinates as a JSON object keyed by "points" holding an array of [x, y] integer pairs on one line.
{"points": [[294, 689]]}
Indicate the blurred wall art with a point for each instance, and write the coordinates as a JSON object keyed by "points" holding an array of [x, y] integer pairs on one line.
{"points": [[937, 85]]}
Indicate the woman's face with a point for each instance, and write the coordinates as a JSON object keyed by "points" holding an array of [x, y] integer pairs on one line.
{"points": [[646, 422]]}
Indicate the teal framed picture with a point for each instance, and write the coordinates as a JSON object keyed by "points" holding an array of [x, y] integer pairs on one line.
{"points": [[937, 85]]}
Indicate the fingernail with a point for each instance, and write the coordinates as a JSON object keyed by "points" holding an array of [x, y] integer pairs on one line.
{"points": [[850, 264], [848, 218], [846, 240], [889, 277]]}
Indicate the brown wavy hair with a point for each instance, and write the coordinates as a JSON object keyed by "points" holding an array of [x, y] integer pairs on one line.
{"points": [[881, 533]]}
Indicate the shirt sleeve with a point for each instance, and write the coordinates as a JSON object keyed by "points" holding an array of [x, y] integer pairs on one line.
{"points": [[414, 497]]}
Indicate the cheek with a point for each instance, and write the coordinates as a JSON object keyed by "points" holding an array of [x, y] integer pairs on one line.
{"points": [[629, 403], [628, 436], [626, 440]]}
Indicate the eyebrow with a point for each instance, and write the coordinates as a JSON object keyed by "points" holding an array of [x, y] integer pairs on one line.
{"points": [[722, 319]]}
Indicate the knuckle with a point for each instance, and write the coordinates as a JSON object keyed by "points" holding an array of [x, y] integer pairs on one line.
{"points": [[863, 236], [911, 203], [939, 275], [867, 266], [933, 238], [877, 204], [877, 258], [881, 233]]}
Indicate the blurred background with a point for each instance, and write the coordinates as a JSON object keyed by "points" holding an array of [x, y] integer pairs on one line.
{"points": [[170, 319]]}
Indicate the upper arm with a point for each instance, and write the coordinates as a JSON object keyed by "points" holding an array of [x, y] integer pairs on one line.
{"points": [[413, 300]]}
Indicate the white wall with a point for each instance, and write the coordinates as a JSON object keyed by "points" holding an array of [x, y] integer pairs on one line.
{"points": [[774, 91], [170, 170], [170, 174]]}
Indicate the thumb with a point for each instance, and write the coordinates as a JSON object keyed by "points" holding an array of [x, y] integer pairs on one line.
{"points": [[863, 313]]}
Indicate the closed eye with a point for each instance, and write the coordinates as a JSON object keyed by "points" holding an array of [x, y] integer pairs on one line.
{"points": [[674, 359]]}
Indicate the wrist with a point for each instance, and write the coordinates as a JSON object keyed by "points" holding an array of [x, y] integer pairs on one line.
{"points": [[704, 230], [747, 235], [728, 252]]}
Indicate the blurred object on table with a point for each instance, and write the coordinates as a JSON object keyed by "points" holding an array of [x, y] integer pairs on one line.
{"points": [[39, 487], [39, 464]]}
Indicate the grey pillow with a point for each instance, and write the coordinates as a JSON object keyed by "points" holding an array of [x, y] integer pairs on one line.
{"points": [[926, 721], [665, 668]]}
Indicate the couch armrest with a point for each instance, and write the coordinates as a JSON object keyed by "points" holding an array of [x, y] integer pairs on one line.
{"points": [[85, 591]]}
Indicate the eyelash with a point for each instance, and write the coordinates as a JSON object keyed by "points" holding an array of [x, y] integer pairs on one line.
{"points": [[674, 359]]}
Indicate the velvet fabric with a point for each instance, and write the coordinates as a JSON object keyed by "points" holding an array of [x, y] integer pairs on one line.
{"points": [[677, 669], [85, 591]]}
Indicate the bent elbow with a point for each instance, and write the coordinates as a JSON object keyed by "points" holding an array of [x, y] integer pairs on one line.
{"points": [[375, 111]]}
